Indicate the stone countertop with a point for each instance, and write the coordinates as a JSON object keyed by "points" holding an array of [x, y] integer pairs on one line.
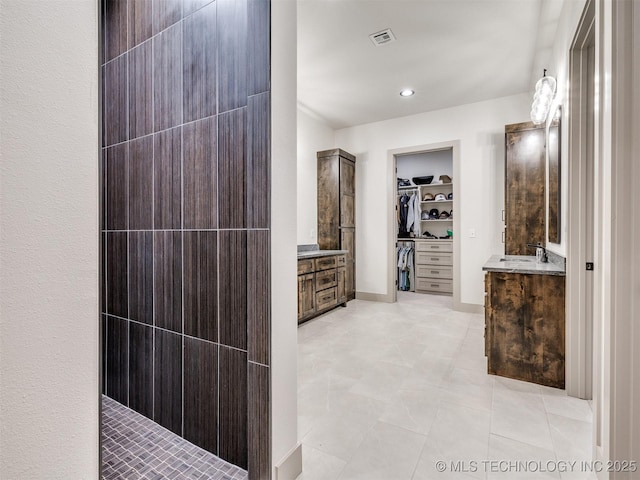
{"points": [[319, 253], [521, 264]]}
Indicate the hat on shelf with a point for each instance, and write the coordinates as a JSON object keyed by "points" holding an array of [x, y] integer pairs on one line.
{"points": [[428, 235], [444, 215], [451, 214], [445, 178], [424, 216], [434, 214], [440, 197], [450, 196], [428, 197]]}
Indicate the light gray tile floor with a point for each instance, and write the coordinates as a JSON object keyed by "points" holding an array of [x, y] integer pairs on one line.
{"points": [[134, 447], [385, 391]]}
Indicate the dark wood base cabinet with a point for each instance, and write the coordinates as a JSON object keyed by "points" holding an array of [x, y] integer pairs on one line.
{"points": [[525, 327], [322, 285]]}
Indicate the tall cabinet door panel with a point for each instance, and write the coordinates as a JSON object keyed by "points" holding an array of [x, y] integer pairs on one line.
{"points": [[347, 193], [306, 295], [328, 205], [348, 242], [524, 188]]}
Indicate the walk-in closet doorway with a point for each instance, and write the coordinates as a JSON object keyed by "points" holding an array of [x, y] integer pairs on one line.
{"points": [[392, 224]]}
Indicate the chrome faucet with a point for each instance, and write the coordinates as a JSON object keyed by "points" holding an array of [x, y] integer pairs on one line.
{"points": [[541, 252]]}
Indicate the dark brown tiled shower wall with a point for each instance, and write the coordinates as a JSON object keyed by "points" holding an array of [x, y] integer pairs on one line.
{"points": [[186, 140]]}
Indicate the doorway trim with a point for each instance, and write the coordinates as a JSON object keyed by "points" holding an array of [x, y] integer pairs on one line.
{"points": [[580, 355], [454, 146]]}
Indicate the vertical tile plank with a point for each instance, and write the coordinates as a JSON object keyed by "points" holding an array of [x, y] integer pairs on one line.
{"points": [[140, 90], [199, 64], [167, 165], [117, 160], [141, 184], [116, 118], [200, 175], [233, 439], [116, 28], [166, 13], [233, 288], [259, 463], [167, 295], [141, 277], [232, 53], [118, 359], [167, 78], [232, 169], [201, 393], [167, 395], [258, 299], [140, 21], [103, 355], [258, 161], [259, 40], [117, 284], [200, 285], [141, 369]]}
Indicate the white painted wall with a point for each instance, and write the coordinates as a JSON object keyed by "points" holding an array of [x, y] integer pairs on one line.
{"points": [[49, 333], [480, 129], [435, 163], [313, 136], [284, 325]]}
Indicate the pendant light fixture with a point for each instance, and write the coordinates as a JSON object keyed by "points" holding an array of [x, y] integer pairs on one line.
{"points": [[545, 91]]}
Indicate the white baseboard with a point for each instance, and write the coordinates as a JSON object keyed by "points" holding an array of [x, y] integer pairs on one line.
{"points": [[290, 467], [374, 297]]}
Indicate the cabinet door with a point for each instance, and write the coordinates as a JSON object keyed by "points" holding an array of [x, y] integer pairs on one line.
{"points": [[347, 193], [342, 284], [328, 203], [524, 188], [348, 242], [306, 295]]}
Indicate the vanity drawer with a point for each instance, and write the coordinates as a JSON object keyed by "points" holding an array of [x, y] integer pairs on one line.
{"points": [[434, 258], [306, 266], [434, 285], [326, 298], [434, 246], [324, 263], [434, 271], [326, 279]]}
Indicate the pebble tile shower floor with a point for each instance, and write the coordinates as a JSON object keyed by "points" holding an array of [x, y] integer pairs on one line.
{"points": [[134, 447]]}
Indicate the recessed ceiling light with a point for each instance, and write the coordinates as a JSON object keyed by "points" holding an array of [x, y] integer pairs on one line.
{"points": [[407, 92]]}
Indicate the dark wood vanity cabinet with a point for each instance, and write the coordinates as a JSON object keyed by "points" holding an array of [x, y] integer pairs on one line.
{"points": [[321, 285], [337, 210], [525, 327], [525, 178]]}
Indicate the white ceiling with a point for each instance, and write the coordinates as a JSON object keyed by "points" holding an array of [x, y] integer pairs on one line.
{"points": [[451, 52]]}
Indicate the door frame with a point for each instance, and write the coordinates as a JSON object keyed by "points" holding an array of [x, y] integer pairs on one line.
{"points": [[580, 357], [454, 146]]}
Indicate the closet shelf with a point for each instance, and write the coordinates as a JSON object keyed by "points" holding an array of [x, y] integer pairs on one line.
{"points": [[436, 201], [438, 220]]}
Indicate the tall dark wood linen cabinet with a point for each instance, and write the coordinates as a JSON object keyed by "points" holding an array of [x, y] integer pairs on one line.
{"points": [[337, 208], [525, 203], [186, 220]]}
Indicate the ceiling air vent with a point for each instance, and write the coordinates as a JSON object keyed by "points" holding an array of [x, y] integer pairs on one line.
{"points": [[383, 37]]}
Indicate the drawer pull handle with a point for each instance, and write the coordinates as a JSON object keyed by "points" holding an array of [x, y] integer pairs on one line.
{"points": [[436, 272], [435, 285], [435, 259], [435, 246]]}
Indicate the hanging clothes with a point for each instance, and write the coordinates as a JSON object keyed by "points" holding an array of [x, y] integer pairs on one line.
{"points": [[406, 274], [403, 210], [413, 215]]}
